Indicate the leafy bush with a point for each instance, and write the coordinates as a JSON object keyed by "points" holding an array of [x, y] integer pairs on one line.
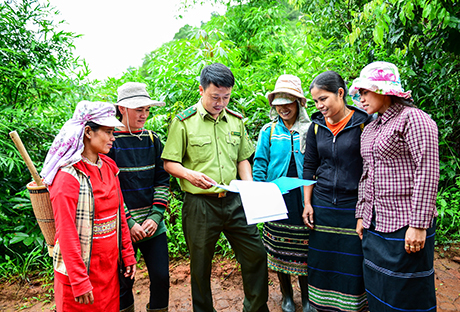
{"points": [[173, 219], [40, 82], [448, 201]]}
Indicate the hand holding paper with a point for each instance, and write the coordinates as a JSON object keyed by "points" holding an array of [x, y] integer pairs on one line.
{"points": [[263, 201]]}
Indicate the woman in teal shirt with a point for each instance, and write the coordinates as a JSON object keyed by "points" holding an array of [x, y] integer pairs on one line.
{"points": [[280, 153]]}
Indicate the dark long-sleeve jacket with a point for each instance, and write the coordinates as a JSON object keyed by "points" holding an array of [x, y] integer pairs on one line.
{"points": [[335, 161]]}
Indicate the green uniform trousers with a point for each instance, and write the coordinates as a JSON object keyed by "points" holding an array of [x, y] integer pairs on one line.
{"points": [[203, 219]]}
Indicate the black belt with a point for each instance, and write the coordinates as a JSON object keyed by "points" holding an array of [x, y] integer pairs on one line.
{"points": [[218, 195]]}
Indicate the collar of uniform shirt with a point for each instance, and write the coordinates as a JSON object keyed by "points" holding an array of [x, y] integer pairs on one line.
{"points": [[203, 113]]}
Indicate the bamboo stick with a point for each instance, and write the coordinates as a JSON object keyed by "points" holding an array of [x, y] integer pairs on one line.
{"points": [[22, 150]]}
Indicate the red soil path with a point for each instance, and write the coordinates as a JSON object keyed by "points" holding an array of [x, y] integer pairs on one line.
{"points": [[227, 288]]}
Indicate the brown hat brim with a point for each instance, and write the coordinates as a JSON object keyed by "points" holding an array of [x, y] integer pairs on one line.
{"points": [[300, 96]]}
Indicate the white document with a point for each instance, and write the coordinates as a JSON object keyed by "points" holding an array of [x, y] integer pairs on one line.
{"points": [[262, 201]]}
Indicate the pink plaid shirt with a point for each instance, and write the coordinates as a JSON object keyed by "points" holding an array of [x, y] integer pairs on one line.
{"points": [[401, 170]]}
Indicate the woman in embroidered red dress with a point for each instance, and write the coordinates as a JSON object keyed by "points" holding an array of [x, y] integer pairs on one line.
{"points": [[86, 199]]}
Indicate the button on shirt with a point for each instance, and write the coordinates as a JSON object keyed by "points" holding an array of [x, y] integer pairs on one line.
{"points": [[210, 146], [401, 170]]}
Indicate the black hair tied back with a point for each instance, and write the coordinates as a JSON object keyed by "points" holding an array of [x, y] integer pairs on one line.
{"points": [[330, 81]]}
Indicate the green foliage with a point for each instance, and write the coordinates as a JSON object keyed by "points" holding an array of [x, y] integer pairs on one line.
{"points": [[22, 265], [421, 38], [448, 201], [33, 54], [183, 33], [423, 34], [40, 82], [173, 219], [260, 40], [249, 26]]}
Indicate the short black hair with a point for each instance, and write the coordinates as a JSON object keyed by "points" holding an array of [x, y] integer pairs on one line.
{"points": [[217, 74], [330, 81]]}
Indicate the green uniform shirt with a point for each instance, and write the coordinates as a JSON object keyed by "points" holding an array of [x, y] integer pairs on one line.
{"points": [[210, 146]]}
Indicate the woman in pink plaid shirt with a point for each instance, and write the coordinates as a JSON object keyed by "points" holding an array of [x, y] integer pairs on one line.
{"points": [[396, 207]]}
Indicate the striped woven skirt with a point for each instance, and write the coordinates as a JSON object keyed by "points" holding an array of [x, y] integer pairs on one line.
{"points": [[394, 279], [287, 247], [286, 241], [335, 259]]}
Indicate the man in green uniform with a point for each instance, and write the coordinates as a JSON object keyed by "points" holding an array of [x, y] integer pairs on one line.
{"points": [[207, 145]]}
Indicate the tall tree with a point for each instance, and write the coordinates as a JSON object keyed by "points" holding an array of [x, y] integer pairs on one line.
{"points": [[40, 80]]}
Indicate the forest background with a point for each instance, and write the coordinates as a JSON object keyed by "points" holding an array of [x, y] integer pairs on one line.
{"points": [[41, 81]]}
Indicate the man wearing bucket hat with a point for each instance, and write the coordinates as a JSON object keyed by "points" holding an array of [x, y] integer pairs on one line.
{"points": [[396, 208], [145, 187], [87, 204], [206, 144], [286, 241]]}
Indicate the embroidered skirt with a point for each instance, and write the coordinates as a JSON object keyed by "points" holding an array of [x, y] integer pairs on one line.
{"points": [[335, 259], [396, 280], [286, 241]]}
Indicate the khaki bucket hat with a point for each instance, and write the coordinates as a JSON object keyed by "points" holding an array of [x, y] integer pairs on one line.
{"points": [[288, 88], [134, 95]]}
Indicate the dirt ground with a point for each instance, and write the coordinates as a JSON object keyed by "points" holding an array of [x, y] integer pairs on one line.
{"points": [[227, 287]]}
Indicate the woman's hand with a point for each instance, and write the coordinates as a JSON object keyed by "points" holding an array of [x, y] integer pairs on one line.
{"points": [[150, 227], [415, 239], [87, 298], [137, 232], [308, 215], [130, 271], [359, 228]]}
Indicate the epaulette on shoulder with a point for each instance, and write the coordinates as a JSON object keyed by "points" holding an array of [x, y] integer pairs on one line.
{"points": [[236, 114], [186, 113]]}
